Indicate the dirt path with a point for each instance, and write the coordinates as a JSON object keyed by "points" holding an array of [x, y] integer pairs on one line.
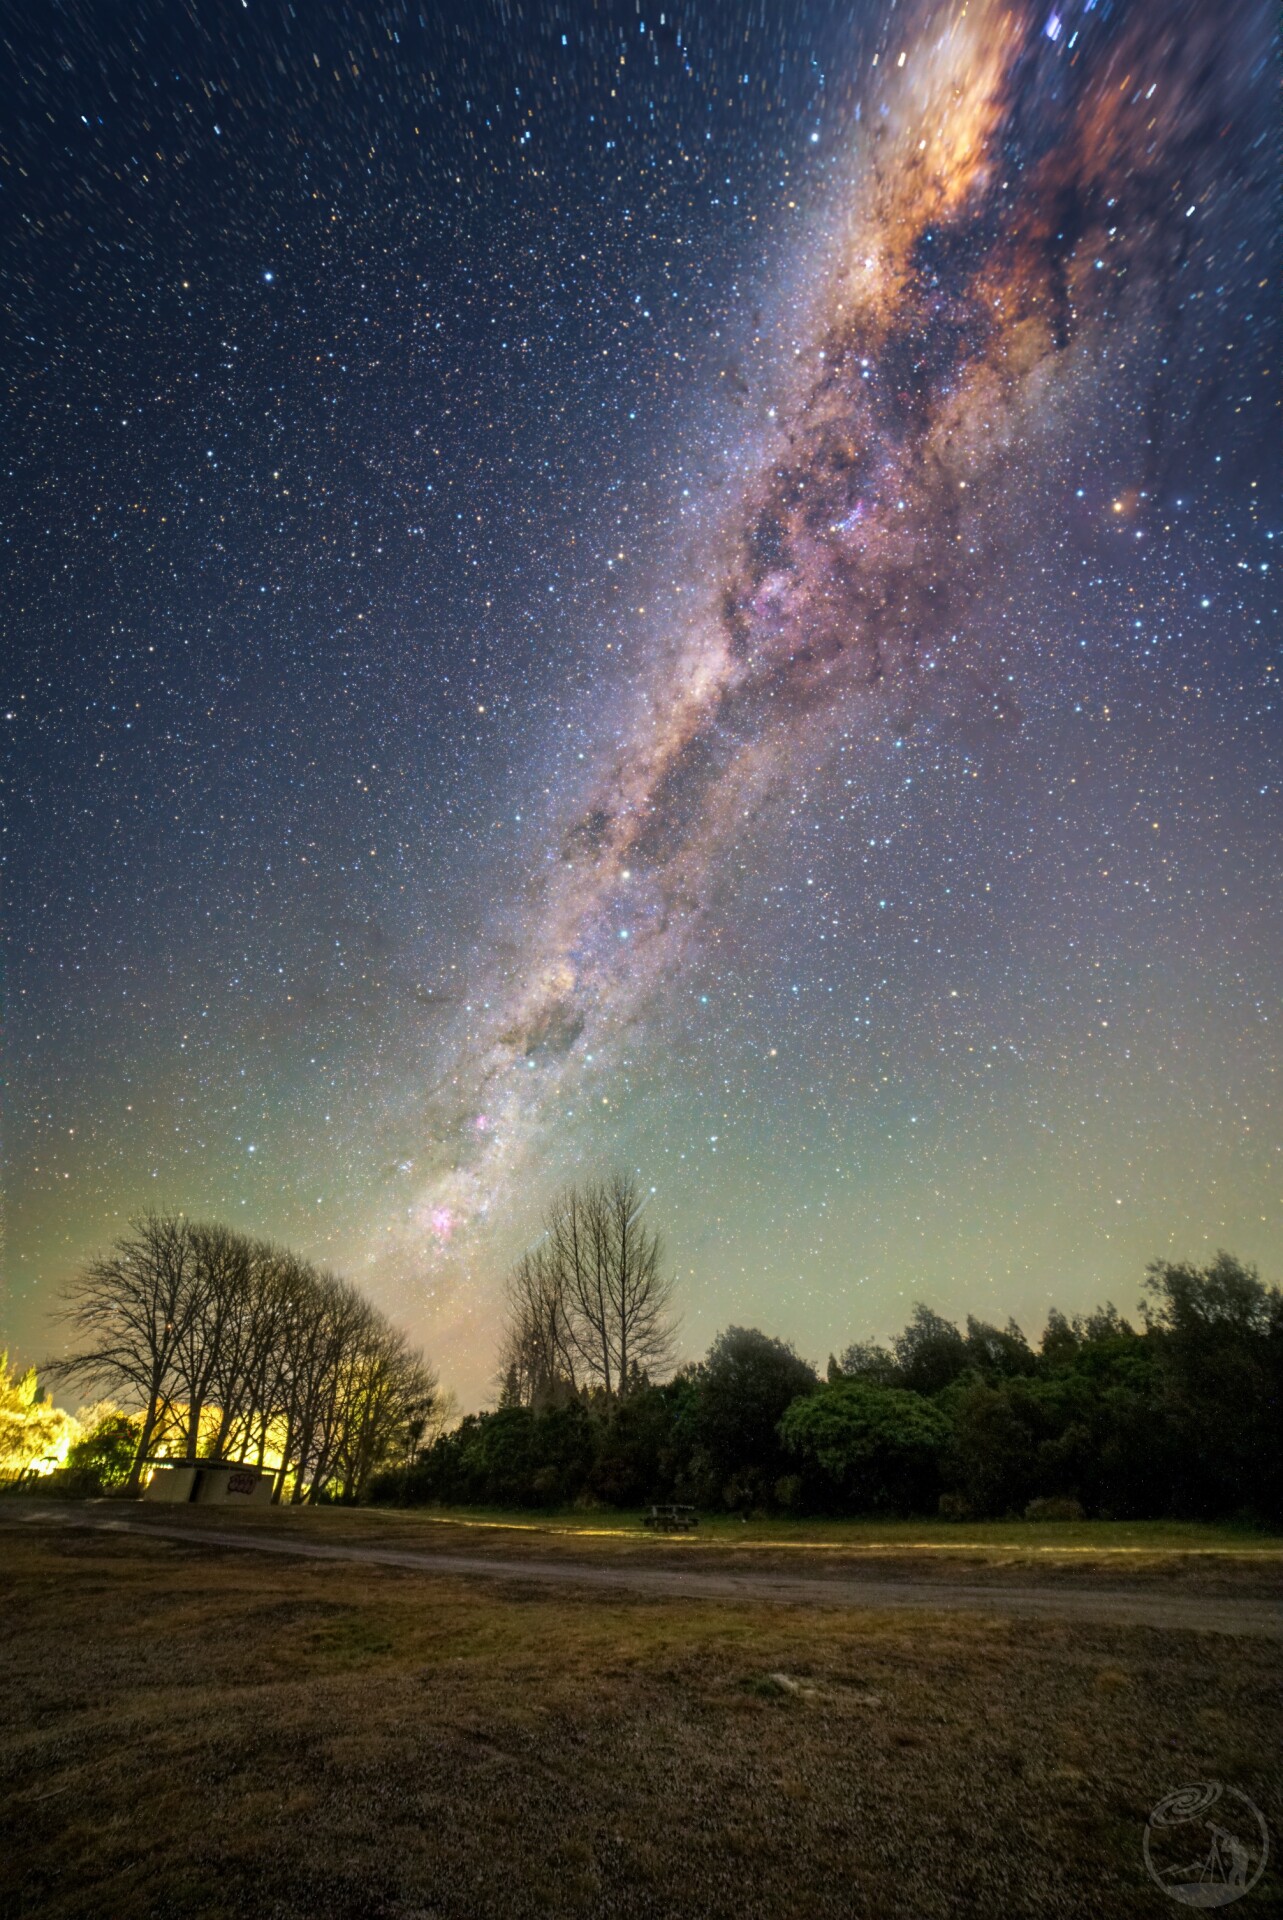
{"points": [[1110, 1605]]}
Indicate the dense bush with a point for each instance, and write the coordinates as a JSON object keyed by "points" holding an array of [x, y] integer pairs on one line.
{"points": [[100, 1460]]}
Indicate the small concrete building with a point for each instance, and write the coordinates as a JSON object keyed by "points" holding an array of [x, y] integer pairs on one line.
{"points": [[209, 1482]]}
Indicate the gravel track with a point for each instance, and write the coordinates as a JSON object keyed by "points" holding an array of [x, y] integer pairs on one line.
{"points": [[1191, 1613]]}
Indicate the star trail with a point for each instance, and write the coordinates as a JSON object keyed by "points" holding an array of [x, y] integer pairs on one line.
{"points": [[692, 590]]}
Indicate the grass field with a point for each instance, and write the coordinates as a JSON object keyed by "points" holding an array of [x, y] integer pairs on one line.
{"points": [[730, 1529], [196, 1732], [995, 1538]]}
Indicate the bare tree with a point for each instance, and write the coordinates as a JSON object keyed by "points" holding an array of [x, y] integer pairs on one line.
{"points": [[537, 1360], [299, 1371], [219, 1289], [135, 1306], [642, 1330], [256, 1354], [592, 1300], [580, 1246], [338, 1339], [389, 1393]]}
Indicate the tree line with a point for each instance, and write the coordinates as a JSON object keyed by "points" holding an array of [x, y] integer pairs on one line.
{"points": [[225, 1346], [1179, 1415], [232, 1348]]}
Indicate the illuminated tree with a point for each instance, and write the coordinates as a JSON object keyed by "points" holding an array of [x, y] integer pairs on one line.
{"points": [[33, 1432]]}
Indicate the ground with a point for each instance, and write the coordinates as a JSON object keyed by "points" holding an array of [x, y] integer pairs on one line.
{"points": [[197, 1730]]}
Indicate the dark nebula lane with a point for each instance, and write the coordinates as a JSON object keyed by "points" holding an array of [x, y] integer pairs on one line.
{"points": [[1017, 200]]}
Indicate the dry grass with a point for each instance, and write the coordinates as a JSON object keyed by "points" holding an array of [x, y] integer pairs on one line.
{"points": [[189, 1732]]}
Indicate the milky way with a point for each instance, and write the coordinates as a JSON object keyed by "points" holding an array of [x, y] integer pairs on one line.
{"points": [[1019, 184], [689, 590]]}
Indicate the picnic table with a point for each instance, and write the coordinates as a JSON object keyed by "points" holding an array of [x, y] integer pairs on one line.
{"points": [[669, 1518]]}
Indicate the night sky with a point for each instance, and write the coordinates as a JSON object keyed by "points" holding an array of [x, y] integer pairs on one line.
{"points": [[693, 591]]}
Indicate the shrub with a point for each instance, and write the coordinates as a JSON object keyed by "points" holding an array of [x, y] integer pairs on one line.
{"points": [[101, 1459], [67, 1483], [1056, 1508]]}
